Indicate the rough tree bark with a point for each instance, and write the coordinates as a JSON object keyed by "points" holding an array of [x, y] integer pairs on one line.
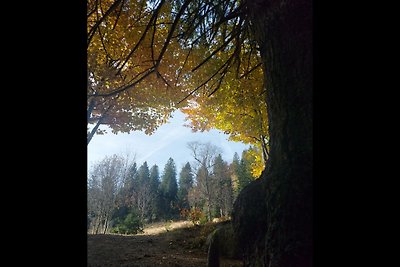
{"points": [[273, 215]]}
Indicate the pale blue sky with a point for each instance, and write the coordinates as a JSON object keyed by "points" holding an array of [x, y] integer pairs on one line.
{"points": [[169, 140]]}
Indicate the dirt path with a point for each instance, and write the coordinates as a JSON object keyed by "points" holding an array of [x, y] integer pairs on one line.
{"points": [[178, 244]]}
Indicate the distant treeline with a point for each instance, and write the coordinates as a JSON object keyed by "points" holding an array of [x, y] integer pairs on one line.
{"points": [[123, 196]]}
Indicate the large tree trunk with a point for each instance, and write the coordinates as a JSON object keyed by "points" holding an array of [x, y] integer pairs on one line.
{"points": [[273, 215]]}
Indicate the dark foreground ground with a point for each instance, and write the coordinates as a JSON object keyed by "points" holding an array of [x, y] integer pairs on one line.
{"points": [[181, 247]]}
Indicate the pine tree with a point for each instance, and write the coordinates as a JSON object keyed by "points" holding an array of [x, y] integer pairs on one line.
{"points": [[154, 191], [244, 175], [143, 176], [169, 189], [129, 183], [185, 184], [234, 171], [154, 178]]}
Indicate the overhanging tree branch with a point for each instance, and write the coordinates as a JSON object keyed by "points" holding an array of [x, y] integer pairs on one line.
{"points": [[106, 14], [250, 71], [170, 33], [93, 131], [119, 14], [153, 17], [205, 82], [126, 87], [215, 52]]}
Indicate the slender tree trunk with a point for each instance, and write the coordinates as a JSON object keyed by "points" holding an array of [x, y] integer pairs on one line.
{"points": [[208, 203], [98, 225], [107, 221], [273, 216], [208, 193], [105, 226], [264, 149]]}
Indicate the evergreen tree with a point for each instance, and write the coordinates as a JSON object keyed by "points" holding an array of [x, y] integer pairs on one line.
{"points": [[169, 189], [128, 186], [132, 172], [143, 176], [204, 187], [154, 191], [234, 168], [185, 184], [244, 174], [154, 177]]}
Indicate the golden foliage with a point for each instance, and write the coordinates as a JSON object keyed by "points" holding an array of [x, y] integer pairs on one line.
{"points": [[145, 59]]}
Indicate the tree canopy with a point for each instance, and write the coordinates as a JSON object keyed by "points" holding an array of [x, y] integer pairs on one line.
{"points": [[149, 58]]}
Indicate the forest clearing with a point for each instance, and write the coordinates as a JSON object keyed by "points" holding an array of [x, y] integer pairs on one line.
{"points": [[179, 243], [242, 67]]}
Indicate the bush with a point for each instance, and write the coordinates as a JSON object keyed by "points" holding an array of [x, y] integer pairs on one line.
{"points": [[195, 215], [131, 224]]}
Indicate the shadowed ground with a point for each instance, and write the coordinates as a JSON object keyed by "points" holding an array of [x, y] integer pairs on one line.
{"points": [[176, 244]]}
